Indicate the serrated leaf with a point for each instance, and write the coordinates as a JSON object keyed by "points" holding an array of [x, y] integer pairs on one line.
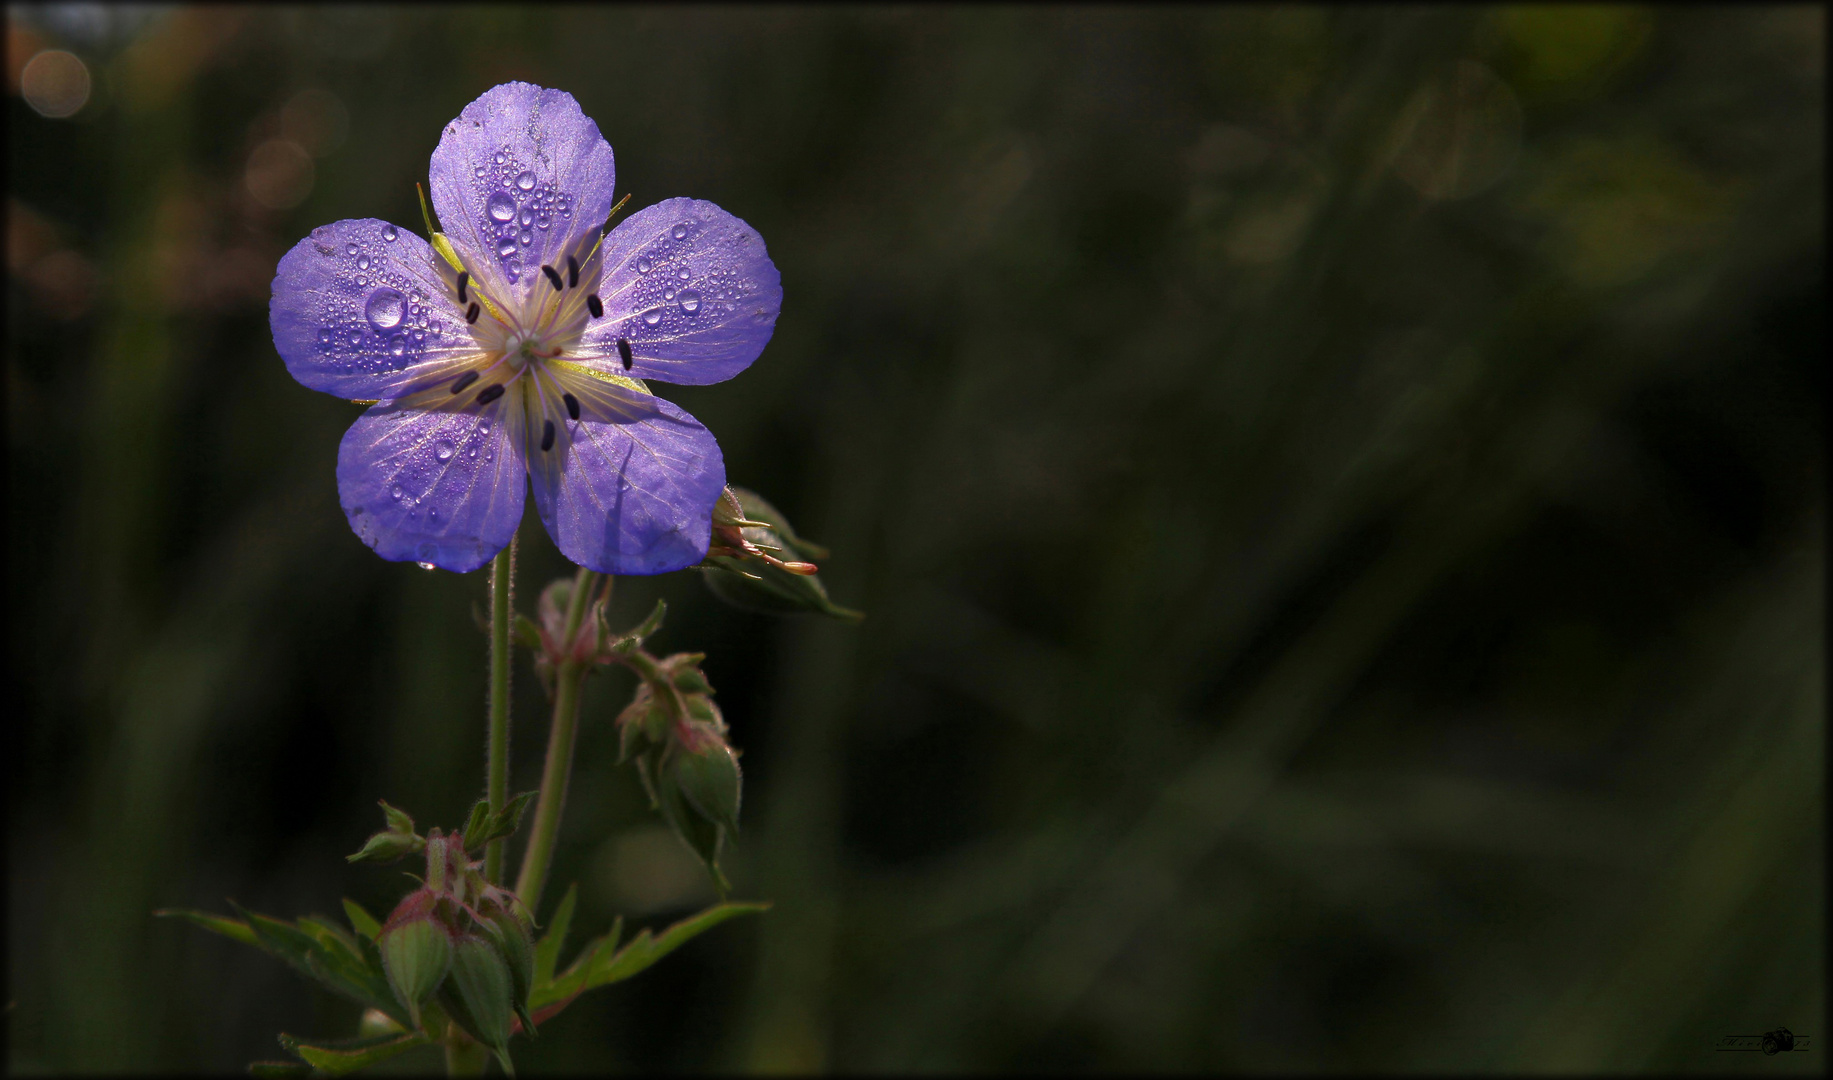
{"points": [[235, 929], [344, 968], [342, 1056], [361, 921], [547, 950], [645, 950], [572, 982]]}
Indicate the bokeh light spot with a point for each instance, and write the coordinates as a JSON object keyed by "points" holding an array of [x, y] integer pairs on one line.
{"points": [[55, 83], [279, 174]]}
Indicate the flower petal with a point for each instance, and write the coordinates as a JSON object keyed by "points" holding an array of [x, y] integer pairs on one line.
{"points": [[692, 290], [517, 175], [629, 487], [359, 311], [434, 486]]}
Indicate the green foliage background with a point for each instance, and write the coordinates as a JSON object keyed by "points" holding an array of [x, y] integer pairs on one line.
{"points": [[1319, 616]]}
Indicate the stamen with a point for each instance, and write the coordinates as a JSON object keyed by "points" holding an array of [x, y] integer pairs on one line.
{"points": [[553, 278], [489, 393], [572, 405], [547, 435], [623, 351], [471, 313], [595, 306], [572, 272], [464, 279], [464, 380]]}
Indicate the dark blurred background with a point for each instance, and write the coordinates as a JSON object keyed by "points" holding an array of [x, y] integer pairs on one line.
{"points": [[1337, 494]]}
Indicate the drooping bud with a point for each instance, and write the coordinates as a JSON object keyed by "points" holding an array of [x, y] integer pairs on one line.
{"points": [[478, 994], [511, 936], [416, 948], [706, 769]]}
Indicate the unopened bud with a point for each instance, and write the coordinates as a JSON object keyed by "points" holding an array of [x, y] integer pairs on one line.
{"points": [[706, 769], [518, 949], [757, 562], [416, 950], [478, 993]]}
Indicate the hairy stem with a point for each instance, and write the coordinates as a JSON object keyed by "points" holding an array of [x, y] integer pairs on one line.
{"points": [[464, 1056], [568, 676], [502, 610]]}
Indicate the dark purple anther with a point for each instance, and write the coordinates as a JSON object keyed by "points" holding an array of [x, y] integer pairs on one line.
{"points": [[464, 380], [572, 272], [553, 278], [623, 352], [471, 313], [595, 306], [464, 279], [572, 405], [547, 435], [489, 394]]}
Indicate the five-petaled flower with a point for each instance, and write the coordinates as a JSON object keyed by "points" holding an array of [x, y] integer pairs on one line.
{"points": [[517, 341]]}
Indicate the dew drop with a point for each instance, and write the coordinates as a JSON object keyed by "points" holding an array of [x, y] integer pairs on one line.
{"points": [[643, 264], [398, 347], [350, 249], [443, 449], [362, 262], [419, 336], [426, 566], [385, 309], [484, 428], [542, 221], [680, 232], [526, 180], [389, 234], [683, 274], [527, 217], [499, 157], [395, 491], [324, 337], [500, 206], [479, 172], [690, 301], [356, 338], [526, 237], [652, 316], [506, 248], [668, 294]]}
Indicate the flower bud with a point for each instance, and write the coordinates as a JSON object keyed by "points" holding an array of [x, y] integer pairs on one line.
{"points": [[512, 939], [416, 950], [706, 770], [478, 992], [756, 561]]}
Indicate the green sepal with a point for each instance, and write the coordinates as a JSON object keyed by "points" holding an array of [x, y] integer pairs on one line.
{"points": [[361, 921], [526, 633], [235, 929], [477, 993], [504, 823], [398, 819], [702, 836], [338, 1057], [711, 781], [416, 955], [518, 949], [643, 630], [475, 824], [547, 951]]}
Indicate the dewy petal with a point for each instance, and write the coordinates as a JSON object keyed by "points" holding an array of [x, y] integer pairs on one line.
{"points": [[692, 290], [358, 311], [517, 175], [435, 486], [629, 487]]}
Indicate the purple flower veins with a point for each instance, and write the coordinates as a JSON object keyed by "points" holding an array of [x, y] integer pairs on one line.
{"points": [[515, 343]]}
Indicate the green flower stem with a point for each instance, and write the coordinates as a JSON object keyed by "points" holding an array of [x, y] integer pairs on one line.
{"points": [[502, 609], [568, 676]]}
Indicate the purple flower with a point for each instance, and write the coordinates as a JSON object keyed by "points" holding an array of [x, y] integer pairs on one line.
{"points": [[515, 343]]}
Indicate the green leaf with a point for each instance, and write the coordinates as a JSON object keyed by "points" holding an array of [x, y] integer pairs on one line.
{"points": [[216, 924], [547, 951], [573, 980], [360, 920], [338, 1057], [644, 950], [338, 963]]}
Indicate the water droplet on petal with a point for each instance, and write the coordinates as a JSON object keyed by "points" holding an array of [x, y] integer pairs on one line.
{"points": [[683, 274], [500, 206], [542, 221], [652, 316], [426, 566], [499, 157], [506, 248], [398, 347], [526, 180], [643, 264], [385, 309], [680, 232], [668, 294], [356, 338], [528, 216], [480, 172], [395, 491], [350, 249], [362, 262], [324, 337], [389, 234], [690, 301], [443, 449], [526, 237]]}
